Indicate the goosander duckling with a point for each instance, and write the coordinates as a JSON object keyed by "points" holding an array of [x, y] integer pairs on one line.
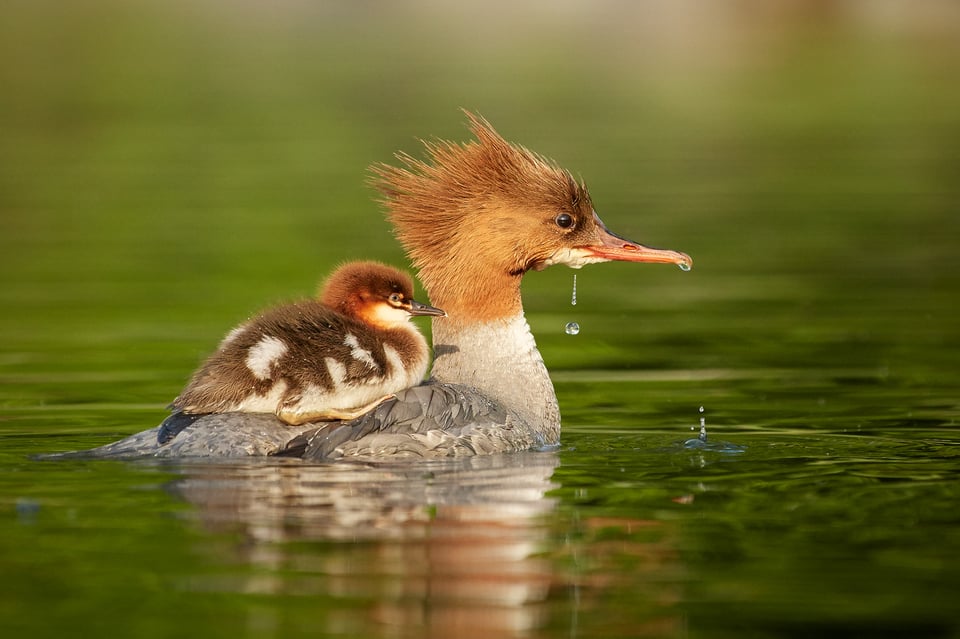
{"points": [[474, 218], [331, 358]]}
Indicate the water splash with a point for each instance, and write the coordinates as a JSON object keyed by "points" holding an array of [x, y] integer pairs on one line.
{"points": [[701, 440], [703, 428], [702, 443]]}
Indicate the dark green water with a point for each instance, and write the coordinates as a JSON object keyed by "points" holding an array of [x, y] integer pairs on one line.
{"points": [[165, 170]]}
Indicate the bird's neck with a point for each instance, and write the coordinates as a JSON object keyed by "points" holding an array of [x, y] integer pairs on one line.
{"points": [[499, 357]]}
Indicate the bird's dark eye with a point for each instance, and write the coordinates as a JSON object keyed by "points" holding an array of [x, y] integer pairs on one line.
{"points": [[564, 220], [396, 298]]}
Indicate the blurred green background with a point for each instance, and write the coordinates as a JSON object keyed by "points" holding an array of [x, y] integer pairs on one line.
{"points": [[167, 168]]}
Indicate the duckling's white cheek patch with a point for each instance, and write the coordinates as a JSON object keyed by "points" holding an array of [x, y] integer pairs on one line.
{"points": [[263, 355], [388, 316], [358, 352]]}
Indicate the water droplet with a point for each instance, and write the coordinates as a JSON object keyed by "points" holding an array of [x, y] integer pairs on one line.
{"points": [[573, 299], [684, 266], [572, 328], [701, 409]]}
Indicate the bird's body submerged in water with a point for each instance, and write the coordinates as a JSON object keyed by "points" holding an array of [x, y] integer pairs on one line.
{"points": [[473, 219]]}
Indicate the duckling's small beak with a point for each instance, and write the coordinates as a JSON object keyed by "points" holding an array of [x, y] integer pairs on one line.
{"points": [[416, 308], [610, 246]]}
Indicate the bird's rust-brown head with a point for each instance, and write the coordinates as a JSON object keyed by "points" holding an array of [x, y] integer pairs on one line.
{"points": [[374, 293], [476, 216]]}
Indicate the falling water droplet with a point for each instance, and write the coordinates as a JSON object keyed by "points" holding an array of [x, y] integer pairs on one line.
{"points": [[703, 426], [572, 328], [684, 266]]}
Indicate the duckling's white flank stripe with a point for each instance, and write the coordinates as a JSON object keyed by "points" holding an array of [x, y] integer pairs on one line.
{"points": [[338, 372], [358, 352], [254, 403], [395, 363], [263, 354]]}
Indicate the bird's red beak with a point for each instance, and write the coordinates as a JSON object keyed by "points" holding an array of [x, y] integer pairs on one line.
{"points": [[610, 246]]}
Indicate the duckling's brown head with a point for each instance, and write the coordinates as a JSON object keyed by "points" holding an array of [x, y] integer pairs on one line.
{"points": [[374, 293], [476, 216]]}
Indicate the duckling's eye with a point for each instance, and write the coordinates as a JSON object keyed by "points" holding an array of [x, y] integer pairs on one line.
{"points": [[395, 298], [564, 220]]}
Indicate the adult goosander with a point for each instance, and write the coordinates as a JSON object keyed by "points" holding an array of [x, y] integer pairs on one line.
{"points": [[473, 218], [331, 358]]}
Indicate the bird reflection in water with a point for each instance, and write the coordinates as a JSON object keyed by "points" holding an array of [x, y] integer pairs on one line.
{"points": [[473, 547], [451, 548]]}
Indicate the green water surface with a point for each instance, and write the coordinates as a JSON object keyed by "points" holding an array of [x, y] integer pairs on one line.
{"points": [[166, 169]]}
